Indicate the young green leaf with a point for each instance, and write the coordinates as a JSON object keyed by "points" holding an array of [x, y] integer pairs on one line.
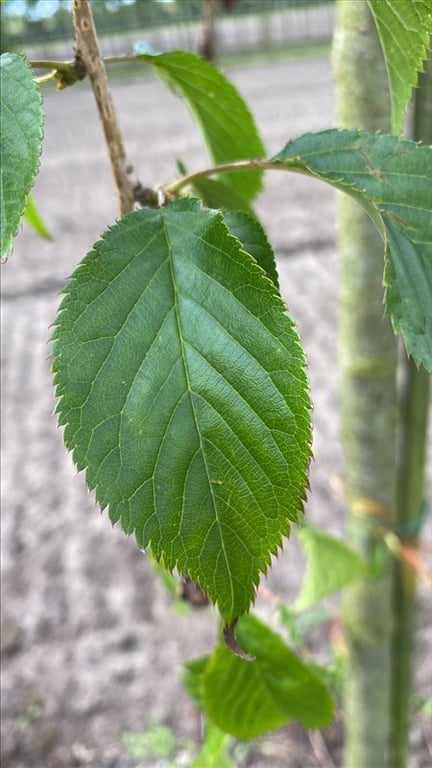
{"points": [[225, 121], [32, 217], [183, 393], [254, 240], [392, 179], [404, 28], [331, 565], [20, 142], [247, 699]]}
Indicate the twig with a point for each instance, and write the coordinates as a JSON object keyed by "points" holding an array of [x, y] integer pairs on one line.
{"points": [[88, 49]]}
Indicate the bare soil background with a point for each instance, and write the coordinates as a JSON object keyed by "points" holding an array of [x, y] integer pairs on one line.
{"points": [[91, 644]]}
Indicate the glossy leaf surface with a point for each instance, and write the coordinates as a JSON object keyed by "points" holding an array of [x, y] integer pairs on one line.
{"points": [[183, 395]]}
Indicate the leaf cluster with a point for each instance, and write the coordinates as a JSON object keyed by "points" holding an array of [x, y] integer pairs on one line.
{"points": [[180, 377]]}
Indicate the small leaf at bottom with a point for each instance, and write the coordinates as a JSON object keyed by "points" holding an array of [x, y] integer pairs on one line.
{"points": [[247, 699]]}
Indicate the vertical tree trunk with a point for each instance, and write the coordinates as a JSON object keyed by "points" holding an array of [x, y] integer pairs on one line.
{"points": [[414, 406], [368, 392]]}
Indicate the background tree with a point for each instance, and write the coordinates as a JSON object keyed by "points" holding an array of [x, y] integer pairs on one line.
{"points": [[383, 489]]}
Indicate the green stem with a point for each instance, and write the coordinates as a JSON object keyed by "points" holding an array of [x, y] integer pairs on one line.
{"points": [[47, 64], [413, 421], [414, 403], [368, 393], [69, 72], [46, 78], [68, 65], [173, 187]]}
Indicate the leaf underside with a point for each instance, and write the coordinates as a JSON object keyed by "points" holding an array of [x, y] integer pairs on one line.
{"points": [[225, 121], [20, 142], [183, 394], [392, 179], [404, 28]]}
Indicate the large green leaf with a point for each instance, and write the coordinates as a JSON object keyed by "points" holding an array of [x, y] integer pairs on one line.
{"points": [[404, 28], [247, 698], [183, 394], [20, 142], [331, 565], [392, 179], [226, 123]]}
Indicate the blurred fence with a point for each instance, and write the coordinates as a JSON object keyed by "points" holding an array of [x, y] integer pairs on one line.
{"points": [[256, 26], [272, 26]]}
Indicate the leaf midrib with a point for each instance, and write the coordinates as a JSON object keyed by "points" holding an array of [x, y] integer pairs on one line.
{"points": [[182, 345]]}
